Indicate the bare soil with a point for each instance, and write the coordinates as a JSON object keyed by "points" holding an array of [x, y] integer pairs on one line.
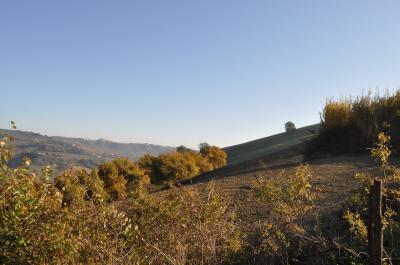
{"points": [[333, 178]]}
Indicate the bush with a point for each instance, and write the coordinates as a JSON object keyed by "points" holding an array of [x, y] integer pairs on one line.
{"points": [[289, 197], [356, 211], [119, 173], [34, 228], [337, 113], [185, 228], [80, 186], [182, 164], [351, 125], [71, 222], [215, 156], [178, 166]]}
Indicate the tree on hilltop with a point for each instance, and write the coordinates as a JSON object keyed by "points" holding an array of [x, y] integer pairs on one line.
{"points": [[289, 126]]}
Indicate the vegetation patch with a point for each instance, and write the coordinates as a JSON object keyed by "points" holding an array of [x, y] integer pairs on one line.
{"points": [[351, 125]]}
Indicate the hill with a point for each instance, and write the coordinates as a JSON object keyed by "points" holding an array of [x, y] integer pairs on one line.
{"points": [[278, 143], [62, 152]]}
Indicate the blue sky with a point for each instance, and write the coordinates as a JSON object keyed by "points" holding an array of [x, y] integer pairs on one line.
{"points": [[183, 72]]}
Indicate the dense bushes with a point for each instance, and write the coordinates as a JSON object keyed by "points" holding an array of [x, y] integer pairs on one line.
{"points": [[356, 211], [120, 173], [121, 176], [177, 166], [72, 221], [79, 186], [182, 164], [187, 227], [77, 220], [351, 125], [288, 197], [214, 156]]}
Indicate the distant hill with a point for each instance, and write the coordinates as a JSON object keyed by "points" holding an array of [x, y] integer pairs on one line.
{"points": [[62, 152], [278, 143]]}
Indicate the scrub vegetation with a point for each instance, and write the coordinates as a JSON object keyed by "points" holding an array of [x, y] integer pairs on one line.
{"points": [[313, 213]]}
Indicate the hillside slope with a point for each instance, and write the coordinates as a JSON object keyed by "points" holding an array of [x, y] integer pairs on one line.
{"points": [[62, 152], [267, 146]]}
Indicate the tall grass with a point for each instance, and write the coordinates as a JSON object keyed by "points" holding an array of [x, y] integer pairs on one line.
{"points": [[337, 113], [351, 124]]}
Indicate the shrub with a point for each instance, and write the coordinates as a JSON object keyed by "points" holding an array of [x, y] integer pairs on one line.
{"points": [[215, 156], [351, 125], [119, 173], [356, 210], [72, 222], [80, 186], [178, 166], [114, 183], [337, 113], [150, 165], [34, 227], [288, 197], [182, 164], [185, 228]]}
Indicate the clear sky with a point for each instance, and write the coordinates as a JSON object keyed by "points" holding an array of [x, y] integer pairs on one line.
{"points": [[182, 72]]}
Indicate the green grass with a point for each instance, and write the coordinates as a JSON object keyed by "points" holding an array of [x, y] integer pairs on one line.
{"points": [[269, 145]]}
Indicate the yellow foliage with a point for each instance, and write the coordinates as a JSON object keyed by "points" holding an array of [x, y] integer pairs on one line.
{"points": [[187, 227], [288, 197], [337, 113], [381, 151]]}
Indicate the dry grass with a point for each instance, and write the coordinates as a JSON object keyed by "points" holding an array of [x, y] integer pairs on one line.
{"points": [[333, 178], [337, 113]]}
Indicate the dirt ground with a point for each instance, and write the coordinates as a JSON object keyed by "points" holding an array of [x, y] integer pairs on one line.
{"points": [[333, 177]]}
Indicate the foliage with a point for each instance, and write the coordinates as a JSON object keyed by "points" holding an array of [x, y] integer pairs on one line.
{"points": [[80, 186], [150, 165], [32, 228], [195, 228], [289, 126], [71, 221], [203, 146], [337, 113], [183, 149], [182, 164], [288, 197], [381, 151], [40, 224], [119, 173], [215, 156], [356, 210], [352, 125], [178, 166]]}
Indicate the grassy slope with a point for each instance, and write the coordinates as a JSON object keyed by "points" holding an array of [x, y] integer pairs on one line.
{"points": [[269, 145]]}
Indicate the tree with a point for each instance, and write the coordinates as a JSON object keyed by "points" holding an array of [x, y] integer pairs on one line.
{"points": [[150, 165], [214, 156], [178, 166], [289, 126], [182, 149], [117, 173], [203, 146]]}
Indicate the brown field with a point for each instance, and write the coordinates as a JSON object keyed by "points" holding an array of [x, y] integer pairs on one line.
{"points": [[333, 178]]}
